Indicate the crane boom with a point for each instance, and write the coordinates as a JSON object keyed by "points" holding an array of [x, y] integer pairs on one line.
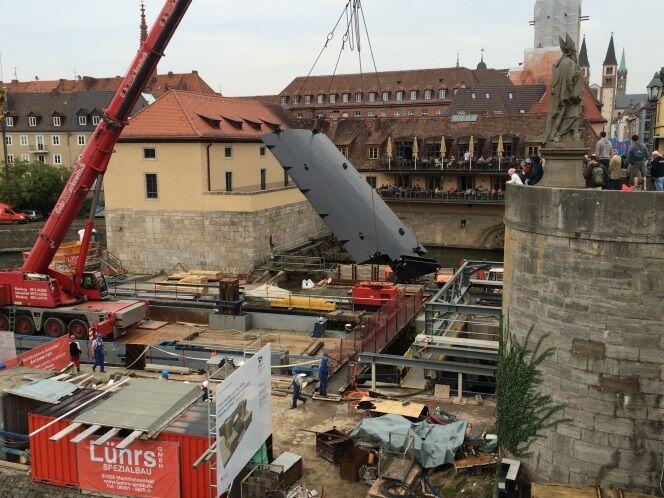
{"points": [[96, 155]]}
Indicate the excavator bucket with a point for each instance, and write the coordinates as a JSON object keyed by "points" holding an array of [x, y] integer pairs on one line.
{"points": [[362, 223]]}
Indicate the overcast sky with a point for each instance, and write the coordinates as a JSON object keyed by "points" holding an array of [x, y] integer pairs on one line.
{"points": [[254, 47]]}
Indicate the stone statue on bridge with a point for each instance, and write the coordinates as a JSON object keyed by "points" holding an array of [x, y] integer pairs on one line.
{"points": [[565, 97]]}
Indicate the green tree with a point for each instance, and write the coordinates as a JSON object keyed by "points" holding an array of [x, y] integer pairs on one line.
{"points": [[33, 185], [521, 410]]}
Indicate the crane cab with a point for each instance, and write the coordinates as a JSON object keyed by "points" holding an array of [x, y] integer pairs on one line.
{"points": [[93, 285]]}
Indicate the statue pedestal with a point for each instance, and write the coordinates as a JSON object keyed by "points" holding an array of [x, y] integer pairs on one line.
{"points": [[564, 165]]}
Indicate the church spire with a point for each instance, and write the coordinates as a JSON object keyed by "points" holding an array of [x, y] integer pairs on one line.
{"points": [[144, 25], [583, 54], [482, 64], [623, 66], [457, 62], [610, 59]]}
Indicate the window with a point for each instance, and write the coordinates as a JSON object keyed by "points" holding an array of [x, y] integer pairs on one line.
{"points": [[95, 120], [413, 95], [411, 113], [428, 94], [425, 112], [371, 180], [442, 93], [358, 114], [321, 98], [229, 181], [373, 152], [25, 157], [263, 151], [82, 120], [333, 98], [372, 96], [307, 99], [80, 139], [39, 141], [228, 152], [456, 90], [344, 115], [397, 114], [32, 121], [510, 95], [57, 159], [383, 113], [400, 95], [8, 139], [487, 96], [57, 121], [522, 111], [41, 158], [23, 140], [386, 96], [370, 114], [472, 95], [609, 70], [151, 191], [533, 150], [149, 153], [263, 179], [284, 100], [345, 98], [300, 115], [358, 97], [296, 99], [9, 121], [344, 151], [439, 112], [10, 159], [55, 139]]}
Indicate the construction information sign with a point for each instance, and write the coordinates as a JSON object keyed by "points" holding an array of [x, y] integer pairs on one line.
{"points": [[244, 416], [53, 355], [145, 468]]}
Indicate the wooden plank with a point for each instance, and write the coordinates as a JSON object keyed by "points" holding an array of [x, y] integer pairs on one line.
{"points": [[475, 461], [383, 406], [329, 397], [90, 430], [151, 325], [559, 491], [413, 474], [441, 391]]}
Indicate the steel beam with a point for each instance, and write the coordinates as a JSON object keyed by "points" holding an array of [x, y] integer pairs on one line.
{"points": [[428, 364], [477, 354], [465, 309]]}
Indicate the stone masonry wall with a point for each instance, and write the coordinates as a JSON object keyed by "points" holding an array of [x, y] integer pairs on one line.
{"points": [[152, 241], [588, 267]]}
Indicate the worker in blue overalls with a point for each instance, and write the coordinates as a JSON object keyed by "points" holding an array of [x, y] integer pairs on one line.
{"points": [[297, 389], [322, 375], [98, 350]]}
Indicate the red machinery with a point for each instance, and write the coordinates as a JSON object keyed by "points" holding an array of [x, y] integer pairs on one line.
{"points": [[374, 294], [35, 297]]}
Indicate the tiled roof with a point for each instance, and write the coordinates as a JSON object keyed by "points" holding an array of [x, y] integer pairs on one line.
{"points": [[627, 101], [499, 101], [415, 79], [195, 116], [157, 85], [68, 106], [591, 109], [266, 99]]}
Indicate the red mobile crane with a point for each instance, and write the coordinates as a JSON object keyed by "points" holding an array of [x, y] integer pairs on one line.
{"points": [[35, 297]]}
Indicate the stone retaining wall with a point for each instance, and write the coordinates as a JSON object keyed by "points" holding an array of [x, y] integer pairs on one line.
{"points": [[15, 238], [588, 267], [151, 241]]}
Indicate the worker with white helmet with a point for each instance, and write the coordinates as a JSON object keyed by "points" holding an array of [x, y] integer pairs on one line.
{"points": [[297, 388]]}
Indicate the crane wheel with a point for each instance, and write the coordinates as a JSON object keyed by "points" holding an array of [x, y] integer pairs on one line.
{"points": [[24, 325], [54, 327], [4, 322], [78, 328]]}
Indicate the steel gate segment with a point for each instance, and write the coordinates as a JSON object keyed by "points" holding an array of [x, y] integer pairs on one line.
{"points": [[361, 221]]}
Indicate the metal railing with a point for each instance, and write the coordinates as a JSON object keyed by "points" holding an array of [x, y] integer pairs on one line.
{"points": [[436, 163], [471, 195]]}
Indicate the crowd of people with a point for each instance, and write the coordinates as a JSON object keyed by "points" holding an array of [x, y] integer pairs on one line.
{"points": [[608, 170], [480, 193], [530, 172]]}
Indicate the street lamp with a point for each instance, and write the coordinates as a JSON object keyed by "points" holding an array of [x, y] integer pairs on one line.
{"points": [[654, 94]]}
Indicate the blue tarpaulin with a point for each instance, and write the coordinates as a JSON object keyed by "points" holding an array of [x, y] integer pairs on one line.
{"points": [[434, 444]]}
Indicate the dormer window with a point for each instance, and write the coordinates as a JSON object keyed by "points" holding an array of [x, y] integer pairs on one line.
{"points": [[95, 120], [57, 121], [487, 96], [321, 98], [510, 96], [400, 95], [472, 95], [32, 121], [386, 96], [9, 121], [372, 96], [296, 99], [358, 97], [442, 93], [345, 98], [428, 94], [307, 99], [413, 95], [284, 100], [82, 120], [333, 98]]}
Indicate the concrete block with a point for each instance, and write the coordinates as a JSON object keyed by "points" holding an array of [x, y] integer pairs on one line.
{"points": [[230, 322], [593, 349], [580, 418]]}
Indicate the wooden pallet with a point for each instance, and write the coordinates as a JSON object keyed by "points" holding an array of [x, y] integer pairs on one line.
{"points": [[412, 476], [330, 397]]}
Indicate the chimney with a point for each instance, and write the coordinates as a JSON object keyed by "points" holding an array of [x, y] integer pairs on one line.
{"points": [[170, 74], [194, 72]]}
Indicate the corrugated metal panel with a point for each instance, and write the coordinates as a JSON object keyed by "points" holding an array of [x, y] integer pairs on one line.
{"points": [[69, 403], [194, 482], [52, 462], [45, 390]]}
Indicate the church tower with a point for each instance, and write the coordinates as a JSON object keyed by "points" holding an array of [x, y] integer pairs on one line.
{"points": [[583, 61], [609, 84], [144, 25], [621, 87]]}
